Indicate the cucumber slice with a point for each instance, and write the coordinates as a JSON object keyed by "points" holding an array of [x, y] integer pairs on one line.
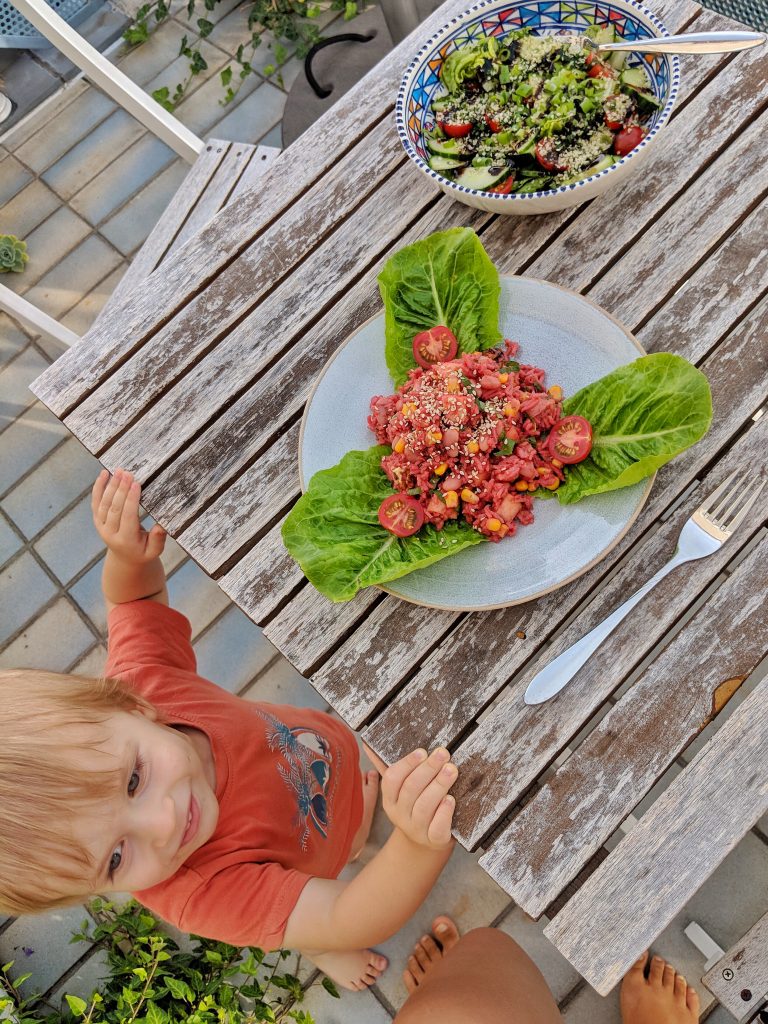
{"points": [[482, 178], [602, 165], [635, 78], [601, 34], [441, 102], [617, 59], [444, 147], [445, 163]]}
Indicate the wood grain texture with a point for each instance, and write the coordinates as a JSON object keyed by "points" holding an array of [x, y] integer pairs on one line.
{"points": [[574, 813], [436, 704], [253, 174], [203, 258], [263, 577], [515, 742], [748, 962], [678, 843]]}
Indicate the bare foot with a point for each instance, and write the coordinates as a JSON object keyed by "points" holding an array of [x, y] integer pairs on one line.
{"points": [[664, 997], [355, 969], [429, 950], [370, 797]]}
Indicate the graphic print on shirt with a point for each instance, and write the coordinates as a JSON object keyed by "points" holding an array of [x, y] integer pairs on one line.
{"points": [[308, 772]]}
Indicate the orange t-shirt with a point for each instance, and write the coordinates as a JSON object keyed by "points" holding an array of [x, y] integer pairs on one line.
{"points": [[288, 784]]}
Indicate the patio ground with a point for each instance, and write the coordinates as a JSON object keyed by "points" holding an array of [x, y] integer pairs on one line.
{"points": [[84, 184]]}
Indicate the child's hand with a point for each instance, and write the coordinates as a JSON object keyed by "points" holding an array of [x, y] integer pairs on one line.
{"points": [[414, 793], [115, 506]]}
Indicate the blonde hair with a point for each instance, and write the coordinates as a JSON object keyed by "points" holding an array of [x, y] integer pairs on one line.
{"points": [[43, 864]]}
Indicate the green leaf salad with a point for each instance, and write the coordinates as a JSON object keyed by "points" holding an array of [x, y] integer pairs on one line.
{"points": [[445, 279], [335, 535]]}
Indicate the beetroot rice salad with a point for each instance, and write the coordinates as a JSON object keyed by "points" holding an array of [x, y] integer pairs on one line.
{"points": [[470, 435]]}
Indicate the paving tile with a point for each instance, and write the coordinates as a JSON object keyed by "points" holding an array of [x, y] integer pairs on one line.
{"points": [[81, 110], [48, 244], [92, 664], [26, 441], [720, 1016], [13, 177], [88, 977], [274, 137], [28, 208], [88, 594], [195, 595], [232, 650], [282, 684], [129, 227], [216, 15], [71, 279], [351, 1008], [201, 110], [44, 114], [53, 485], [113, 186], [71, 543], [10, 541], [143, 63], [178, 70], [12, 339], [83, 161], [28, 83], [173, 555], [253, 116], [587, 1007], [100, 29], [40, 943], [25, 589], [559, 974], [80, 318], [231, 30], [15, 379], [53, 641]]}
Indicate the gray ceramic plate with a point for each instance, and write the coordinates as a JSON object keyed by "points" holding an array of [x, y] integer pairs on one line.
{"points": [[575, 342]]}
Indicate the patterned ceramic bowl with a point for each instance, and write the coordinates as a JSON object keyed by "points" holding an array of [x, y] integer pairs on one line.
{"points": [[421, 84]]}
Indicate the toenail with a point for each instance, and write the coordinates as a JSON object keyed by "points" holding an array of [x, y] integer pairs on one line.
{"points": [[682, 979], [442, 928]]}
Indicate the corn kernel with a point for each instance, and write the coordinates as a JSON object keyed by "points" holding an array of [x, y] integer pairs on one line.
{"points": [[557, 463], [494, 525], [553, 486], [441, 468], [509, 410], [503, 377], [452, 385], [532, 486], [469, 496], [408, 408], [473, 447], [434, 436], [451, 499], [556, 392], [521, 485], [542, 470], [399, 445]]}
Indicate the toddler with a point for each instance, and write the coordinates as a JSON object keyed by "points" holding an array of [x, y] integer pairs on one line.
{"points": [[228, 818]]}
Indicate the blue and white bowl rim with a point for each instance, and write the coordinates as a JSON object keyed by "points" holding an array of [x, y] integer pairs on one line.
{"points": [[415, 64]]}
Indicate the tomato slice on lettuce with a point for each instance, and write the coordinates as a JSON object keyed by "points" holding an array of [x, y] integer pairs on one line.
{"points": [[401, 514], [570, 440], [456, 129], [437, 345], [504, 187]]}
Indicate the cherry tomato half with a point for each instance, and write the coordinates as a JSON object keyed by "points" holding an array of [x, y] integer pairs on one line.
{"points": [[627, 139], [493, 124], [401, 514], [456, 129], [437, 345], [612, 125], [504, 187], [570, 440], [597, 69], [547, 155]]}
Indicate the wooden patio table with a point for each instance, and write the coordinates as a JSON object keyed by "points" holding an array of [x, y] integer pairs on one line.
{"points": [[196, 381]]}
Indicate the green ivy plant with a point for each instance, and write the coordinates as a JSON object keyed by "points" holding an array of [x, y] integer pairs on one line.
{"points": [[13, 254], [291, 25], [152, 981]]}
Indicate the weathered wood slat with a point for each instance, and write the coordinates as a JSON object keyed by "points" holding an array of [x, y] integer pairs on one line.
{"points": [[203, 257], [244, 426], [718, 294], [742, 972], [554, 836], [268, 560], [516, 741], [674, 848], [253, 174], [486, 648], [163, 233], [236, 291]]}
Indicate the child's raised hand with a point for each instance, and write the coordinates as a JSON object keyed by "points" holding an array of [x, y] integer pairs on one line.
{"points": [[115, 507], [415, 796]]}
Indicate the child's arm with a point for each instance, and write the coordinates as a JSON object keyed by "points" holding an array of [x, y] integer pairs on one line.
{"points": [[132, 568], [333, 915]]}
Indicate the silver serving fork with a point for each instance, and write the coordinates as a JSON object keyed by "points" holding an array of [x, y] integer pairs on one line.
{"points": [[692, 42], [705, 532]]}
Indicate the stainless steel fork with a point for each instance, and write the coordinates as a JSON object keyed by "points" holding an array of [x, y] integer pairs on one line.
{"points": [[705, 532]]}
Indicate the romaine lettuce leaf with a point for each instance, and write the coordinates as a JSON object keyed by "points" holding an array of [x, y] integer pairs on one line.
{"points": [[444, 279], [642, 415], [334, 533]]}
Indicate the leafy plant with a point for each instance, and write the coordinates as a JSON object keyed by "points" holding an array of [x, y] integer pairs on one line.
{"points": [[13, 254], [153, 981], [288, 24]]}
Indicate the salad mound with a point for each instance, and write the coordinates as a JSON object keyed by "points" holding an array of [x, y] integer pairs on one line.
{"points": [[529, 113], [469, 436]]}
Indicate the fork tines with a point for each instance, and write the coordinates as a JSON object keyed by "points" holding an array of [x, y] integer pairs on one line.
{"points": [[728, 505]]}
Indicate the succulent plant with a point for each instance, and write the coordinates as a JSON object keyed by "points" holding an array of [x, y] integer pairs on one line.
{"points": [[13, 254]]}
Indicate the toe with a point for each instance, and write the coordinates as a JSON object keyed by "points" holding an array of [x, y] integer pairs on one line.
{"points": [[372, 778], [415, 968], [445, 931], [639, 964], [422, 956], [656, 972], [668, 978], [431, 948], [410, 982], [378, 962], [692, 1002], [680, 989]]}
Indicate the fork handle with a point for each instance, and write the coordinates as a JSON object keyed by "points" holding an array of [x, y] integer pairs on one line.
{"points": [[554, 676], [691, 42]]}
